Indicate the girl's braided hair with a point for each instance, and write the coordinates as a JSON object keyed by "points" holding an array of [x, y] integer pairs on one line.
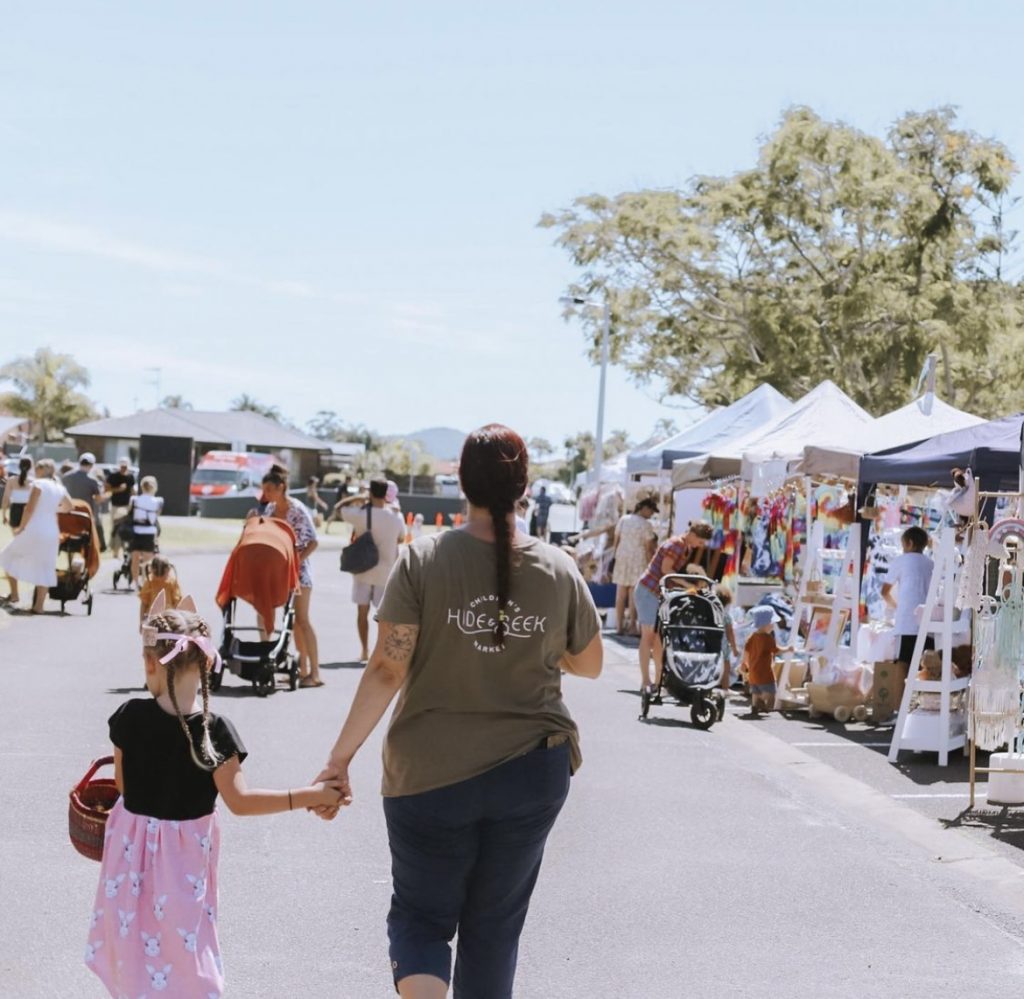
{"points": [[182, 622], [494, 470]]}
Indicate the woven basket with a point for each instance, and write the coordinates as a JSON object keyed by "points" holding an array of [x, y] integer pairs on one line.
{"points": [[89, 804]]}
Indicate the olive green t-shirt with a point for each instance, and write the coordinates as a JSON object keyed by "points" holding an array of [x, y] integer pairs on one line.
{"points": [[468, 705]]}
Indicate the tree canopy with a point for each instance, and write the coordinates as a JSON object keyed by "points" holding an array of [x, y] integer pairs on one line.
{"points": [[46, 391], [839, 255]]}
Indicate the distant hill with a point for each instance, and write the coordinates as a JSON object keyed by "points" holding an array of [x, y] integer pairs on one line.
{"points": [[443, 443]]}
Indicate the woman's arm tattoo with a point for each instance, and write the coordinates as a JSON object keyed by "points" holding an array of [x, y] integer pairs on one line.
{"points": [[400, 642]]}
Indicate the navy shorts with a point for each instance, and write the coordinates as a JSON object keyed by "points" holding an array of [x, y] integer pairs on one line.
{"points": [[465, 858]]}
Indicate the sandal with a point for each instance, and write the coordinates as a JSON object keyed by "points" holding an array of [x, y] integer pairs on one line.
{"points": [[308, 681]]}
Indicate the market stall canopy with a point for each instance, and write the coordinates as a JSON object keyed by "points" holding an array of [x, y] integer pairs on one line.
{"points": [[825, 416], [715, 430], [612, 470], [919, 420], [991, 450]]}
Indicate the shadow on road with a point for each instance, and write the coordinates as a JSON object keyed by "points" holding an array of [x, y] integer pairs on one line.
{"points": [[355, 664], [1003, 823]]}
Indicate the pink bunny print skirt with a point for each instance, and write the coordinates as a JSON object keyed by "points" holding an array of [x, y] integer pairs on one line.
{"points": [[153, 929]]}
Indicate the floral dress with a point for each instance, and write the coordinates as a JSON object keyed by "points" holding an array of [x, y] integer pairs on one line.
{"points": [[301, 522], [635, 534]]}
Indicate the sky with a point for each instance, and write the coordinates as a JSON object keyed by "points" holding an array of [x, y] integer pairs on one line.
{"points": [[328, 205]]}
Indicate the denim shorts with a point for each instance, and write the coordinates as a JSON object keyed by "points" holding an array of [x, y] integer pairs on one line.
{"points": [[763, 688], [646, 604]]}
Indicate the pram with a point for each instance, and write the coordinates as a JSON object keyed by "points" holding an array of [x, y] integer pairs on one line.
{"points": [[691, 623], [263, 571], [78, 541], [126, 532]]}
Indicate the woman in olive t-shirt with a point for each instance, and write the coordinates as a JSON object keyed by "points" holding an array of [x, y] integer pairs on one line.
{"points": [[476, 627]]}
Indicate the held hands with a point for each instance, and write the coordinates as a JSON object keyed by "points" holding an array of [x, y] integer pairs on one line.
{"points": [[319, 796], [334, 775]]}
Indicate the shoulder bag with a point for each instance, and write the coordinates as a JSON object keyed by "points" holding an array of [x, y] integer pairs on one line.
{"points": [[362, 555]]}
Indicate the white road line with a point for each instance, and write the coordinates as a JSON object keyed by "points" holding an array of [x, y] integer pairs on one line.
{"points": [[977, 794], [822, 745]]}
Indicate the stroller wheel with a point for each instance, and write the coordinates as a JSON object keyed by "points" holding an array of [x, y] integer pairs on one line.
{"points": [[88, 606], [703, 713], [117, 577], [293, 673], [216, 679], [645, 703]]}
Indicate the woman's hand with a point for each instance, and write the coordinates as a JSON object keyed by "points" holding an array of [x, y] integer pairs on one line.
{"points": [[334, 775]]}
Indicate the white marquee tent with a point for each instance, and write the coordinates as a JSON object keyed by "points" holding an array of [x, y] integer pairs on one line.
{"points": [[826, 416], [753, 412], [919, 420]]}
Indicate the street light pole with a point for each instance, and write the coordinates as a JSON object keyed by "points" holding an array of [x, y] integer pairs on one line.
{"points": [[606, 326], [606, 323]]}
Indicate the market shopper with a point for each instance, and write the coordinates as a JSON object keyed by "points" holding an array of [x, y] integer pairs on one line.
{"points": [[83, 485], [31, 555], [121, 485], [144, 511], [16, 492], [388, 529], [635, 541], [275, 502], [671, 556], [911, 575], [476, 626]]}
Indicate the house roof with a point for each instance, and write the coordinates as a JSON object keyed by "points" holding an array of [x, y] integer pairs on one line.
{"points": [[210, 427]]}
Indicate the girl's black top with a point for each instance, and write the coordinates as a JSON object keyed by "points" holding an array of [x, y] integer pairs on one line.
{"points": [[161, 780]]}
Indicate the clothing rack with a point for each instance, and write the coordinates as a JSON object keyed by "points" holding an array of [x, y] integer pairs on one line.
{"points": [[980, 497]]}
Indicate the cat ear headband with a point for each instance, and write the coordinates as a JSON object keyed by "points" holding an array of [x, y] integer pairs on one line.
{"points": [[150, 635]]}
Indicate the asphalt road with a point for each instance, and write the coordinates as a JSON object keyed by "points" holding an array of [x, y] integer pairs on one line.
{"points": [[714, 864]]}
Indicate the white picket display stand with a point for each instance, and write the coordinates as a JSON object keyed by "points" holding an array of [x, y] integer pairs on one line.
{"points": [[846, 596], [926, 731]]}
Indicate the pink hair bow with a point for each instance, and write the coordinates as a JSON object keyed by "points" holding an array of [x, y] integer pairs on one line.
{"points": [[181, 643]]}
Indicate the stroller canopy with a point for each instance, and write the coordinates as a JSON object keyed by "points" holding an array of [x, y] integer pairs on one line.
{"points": [[263, 569], [78, 523]]}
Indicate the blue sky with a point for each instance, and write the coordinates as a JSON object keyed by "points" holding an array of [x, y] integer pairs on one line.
{"points": [[333, 206]]}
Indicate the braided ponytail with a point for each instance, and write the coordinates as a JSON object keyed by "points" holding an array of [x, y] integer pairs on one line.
{"points": [[186, 623], [494, 471]]}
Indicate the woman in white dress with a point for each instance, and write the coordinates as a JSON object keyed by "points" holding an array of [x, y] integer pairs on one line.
{"points": [[31, 555], [635, 542]]}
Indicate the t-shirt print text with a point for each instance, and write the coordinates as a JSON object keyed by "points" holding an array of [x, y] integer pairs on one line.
{"points": [[481, 616]]}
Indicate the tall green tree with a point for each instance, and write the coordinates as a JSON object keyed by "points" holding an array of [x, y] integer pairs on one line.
{"points": [[46, 391], [839, 255]]}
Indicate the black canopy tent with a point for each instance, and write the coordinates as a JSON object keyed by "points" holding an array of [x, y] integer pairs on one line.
{"points": [[993, 451]]}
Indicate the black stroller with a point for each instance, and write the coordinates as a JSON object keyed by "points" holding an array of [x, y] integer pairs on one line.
{"points": [[263, 571], [126, 532], [691, 624]]}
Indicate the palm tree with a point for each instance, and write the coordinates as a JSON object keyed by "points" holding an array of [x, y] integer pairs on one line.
{"points": [[46, 392], [247, 404]]}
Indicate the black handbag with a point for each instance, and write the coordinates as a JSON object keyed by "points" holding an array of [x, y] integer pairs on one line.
{"points": [[362, 555]]}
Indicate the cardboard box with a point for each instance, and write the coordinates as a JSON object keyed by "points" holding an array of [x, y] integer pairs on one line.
{"points": [[797, 672], [887, 689]]}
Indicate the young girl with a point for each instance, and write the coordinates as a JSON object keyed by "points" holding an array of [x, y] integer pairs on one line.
{"points": [[159, 576], [154, 922]]}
